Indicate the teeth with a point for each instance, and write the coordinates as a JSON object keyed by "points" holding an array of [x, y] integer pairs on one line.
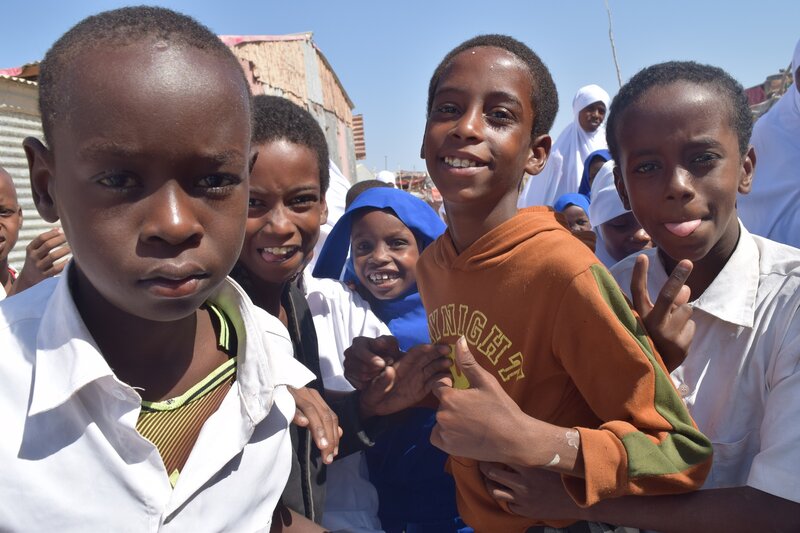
{"points": [[460, 163], [279, 250], [380, 276]]}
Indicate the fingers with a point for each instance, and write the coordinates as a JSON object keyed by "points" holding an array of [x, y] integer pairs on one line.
{"points": [[673, 291], [639, 294], [469, 367], [366, 358], [314, 414]]}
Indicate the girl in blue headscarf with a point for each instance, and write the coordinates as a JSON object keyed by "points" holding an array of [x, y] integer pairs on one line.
{"points": [[591, 167], [385, 230]]}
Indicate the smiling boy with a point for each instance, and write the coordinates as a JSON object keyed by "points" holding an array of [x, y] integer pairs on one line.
{"points": [[141, 390], [563, 376]]}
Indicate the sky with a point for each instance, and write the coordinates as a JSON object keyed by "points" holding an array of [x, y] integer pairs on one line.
{"points": [[384, 52]]}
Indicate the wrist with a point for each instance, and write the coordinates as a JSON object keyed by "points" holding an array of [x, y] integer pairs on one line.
{"points": [[365, 409]]}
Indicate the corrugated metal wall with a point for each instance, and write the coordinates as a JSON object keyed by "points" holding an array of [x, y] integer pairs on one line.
{"points": [[19, 118]]}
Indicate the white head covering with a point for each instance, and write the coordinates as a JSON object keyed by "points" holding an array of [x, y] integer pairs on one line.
{"points": [[606, 204], [771, 208], [562, 173], [387, 176]]}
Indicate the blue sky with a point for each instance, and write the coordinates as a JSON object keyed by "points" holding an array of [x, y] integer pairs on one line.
{"points": [[385, 51]]}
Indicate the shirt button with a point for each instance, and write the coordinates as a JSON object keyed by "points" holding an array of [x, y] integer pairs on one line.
{"points": [[684, 390]]}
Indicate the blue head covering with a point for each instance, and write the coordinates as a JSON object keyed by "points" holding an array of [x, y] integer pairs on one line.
{"points": [[405, 315], [573, 198], [584, 188]]}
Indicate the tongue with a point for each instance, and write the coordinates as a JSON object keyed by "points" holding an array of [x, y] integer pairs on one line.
{"points": [[682, 229]]}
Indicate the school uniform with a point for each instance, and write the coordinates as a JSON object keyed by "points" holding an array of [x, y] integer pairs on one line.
{"points": [[72, 458], [741, 378], [13, 274]]}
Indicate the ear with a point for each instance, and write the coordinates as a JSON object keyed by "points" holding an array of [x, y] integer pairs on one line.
{"points": [[748, 169], [537, 157], [619, 183], [40, 167], [323, 213]]}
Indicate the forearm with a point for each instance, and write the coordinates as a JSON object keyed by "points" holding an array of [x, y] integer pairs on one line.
{"points": [[731, 510], [539, 444], [285, 520]]}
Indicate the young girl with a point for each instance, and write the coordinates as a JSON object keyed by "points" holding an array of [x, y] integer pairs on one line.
{"points": [[594, 162], [564, 167], [385, 231], [619, 234]]}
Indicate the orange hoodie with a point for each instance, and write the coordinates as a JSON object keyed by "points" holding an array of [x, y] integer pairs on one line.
{"points": [[543, 315]]}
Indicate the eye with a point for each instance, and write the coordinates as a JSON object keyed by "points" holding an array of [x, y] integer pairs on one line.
{"points": [[304, 201], [398, 243], [500, 115], [446, 109], [645, 168], [254, 203], [362, 247], [5, 212], [706, 158], [119, 181], [217, 185]]}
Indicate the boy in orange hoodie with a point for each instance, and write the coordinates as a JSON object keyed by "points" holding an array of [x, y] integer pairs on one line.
{"points": [[563, 376]]}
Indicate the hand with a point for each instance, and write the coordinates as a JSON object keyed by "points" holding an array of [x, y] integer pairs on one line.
{"points": [[312, 412], [481, 422], [531, 492], [366, 358], [405, 382], [668, 322], [40, 259]]}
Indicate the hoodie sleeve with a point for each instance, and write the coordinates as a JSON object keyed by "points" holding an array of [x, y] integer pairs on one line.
{"points": [[648, 444]]}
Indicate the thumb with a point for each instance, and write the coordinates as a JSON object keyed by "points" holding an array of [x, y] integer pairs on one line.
{"points": [[469, 367]]}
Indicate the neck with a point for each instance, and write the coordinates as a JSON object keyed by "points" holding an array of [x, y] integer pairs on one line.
{"points": [[163, 359], [267, 295], [467, 223], [706, 270]]}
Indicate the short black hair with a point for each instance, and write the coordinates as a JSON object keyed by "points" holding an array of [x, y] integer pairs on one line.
{"points": [[361, 186], [544, 96], [276, 118], [662, 74], [117, 28]]}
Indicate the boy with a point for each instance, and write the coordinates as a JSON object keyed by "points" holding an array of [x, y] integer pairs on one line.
{"points": [[42, 254], [10, 223], [565, 377], [141, 390], [679, 132]]}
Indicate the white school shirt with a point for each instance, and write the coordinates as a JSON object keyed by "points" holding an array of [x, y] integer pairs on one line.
{"points": [[340, 315], [72, 460], [741, 378]]}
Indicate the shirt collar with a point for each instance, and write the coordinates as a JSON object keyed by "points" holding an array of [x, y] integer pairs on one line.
{"points": [[732, 295], [68, 359]]}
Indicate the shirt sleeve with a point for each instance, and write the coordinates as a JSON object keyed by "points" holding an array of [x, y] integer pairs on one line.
{"points": [[647, 444], [776, 467]]}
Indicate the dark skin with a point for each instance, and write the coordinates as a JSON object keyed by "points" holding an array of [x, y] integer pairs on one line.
{"points": [[694, 166], [155, 216], [10, 223], [44, 258], [487, 120]]}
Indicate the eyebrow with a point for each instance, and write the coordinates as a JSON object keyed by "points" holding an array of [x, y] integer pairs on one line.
{"points": [[121, 151], [501, 95]]}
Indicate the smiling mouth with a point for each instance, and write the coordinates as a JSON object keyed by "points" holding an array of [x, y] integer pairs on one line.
{"points": [[277, 254], [382, 278], [457, 162]]}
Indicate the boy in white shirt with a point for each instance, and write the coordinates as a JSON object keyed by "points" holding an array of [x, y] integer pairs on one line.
{"points": [[142, 390]]}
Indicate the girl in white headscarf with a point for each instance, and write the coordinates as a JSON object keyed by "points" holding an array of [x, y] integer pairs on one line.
{"points": [[619, 234], [771, 209], [584, 135]]}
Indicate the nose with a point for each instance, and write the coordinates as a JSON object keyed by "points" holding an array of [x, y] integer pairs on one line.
{"points": [[470, 124], [171, 216], [276, 222], [640, 236], [679, 186], [380, 254]]}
